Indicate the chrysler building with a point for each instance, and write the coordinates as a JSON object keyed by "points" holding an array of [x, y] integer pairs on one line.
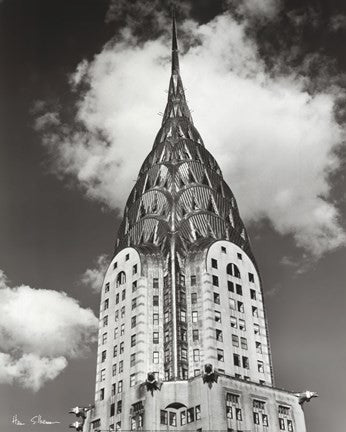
{"points": [[183, 340]]}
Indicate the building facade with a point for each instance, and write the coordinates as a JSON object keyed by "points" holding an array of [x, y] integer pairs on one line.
{"points": [[183, 341]]}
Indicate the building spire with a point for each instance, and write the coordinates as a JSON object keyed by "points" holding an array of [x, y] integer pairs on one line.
{"points": [[175, 51]]}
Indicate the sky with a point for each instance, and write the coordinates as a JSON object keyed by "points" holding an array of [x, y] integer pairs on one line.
{"points": [[82, 93]]}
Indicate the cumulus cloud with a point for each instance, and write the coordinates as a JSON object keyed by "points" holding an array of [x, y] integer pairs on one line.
{"points": [[274, 139], [39, 330], [263, 9], [92, 278], [338, 22], [30, 370]]}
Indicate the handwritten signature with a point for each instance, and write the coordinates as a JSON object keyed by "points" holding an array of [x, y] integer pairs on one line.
{"points": [[37, 419]]}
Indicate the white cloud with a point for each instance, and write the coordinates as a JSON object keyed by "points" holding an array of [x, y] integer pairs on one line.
{"points": [[39, 330], [30, 370], [92, 278], [274, 141], [257, 8], [338, 22]]}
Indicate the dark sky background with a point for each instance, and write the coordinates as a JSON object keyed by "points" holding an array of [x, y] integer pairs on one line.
{"points": [[50, 233]]}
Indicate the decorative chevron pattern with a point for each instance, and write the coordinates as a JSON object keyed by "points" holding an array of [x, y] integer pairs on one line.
{"points": [[180, 185]]}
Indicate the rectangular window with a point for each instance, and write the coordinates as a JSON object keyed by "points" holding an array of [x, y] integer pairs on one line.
{"points": [[242, 325], [116, 316], [104, 338], [217, 316], [172, 418], [121, 350], [134, 286], [166, 317], [195, 335], [115, 350], [251, 277], [155, 282], [155, 300], [155, 357], [236, 360], [214, 263], [183, 418], [239, 289], [238, 414], [121, 366], [107, 287], [265, 420], [243, 343], [190, 415], [120, 386], [115, 332], [198, 412], [215, 281], [119, 407], [220, 355], [114, 369], [122, 329], [103, 375], [256, 329], [282, 424], [259, 347], [254, 311], [134, 269], [122, 312], [232, 304], [132, 380], [239, 255], [156, 337], [155, 318], [193, 298], [235, 340], [218, 334], [223, 249], [133, 321], [118, 426], [105, 321], [113, 389], [103, 356], [253, 294], [193, 280], [132, 359], [183, 354], [216, 298], [256, 418], [234, 323], [163, 417], [183, 334], [230, 286], [289, 425], [123, 294], [245, 363], [232, 398], [194, 316], [134, 303], [196, 355], [260, 366], [240, 306], [102, 394], [117, 298], [133, 340], [115, 265], [106, 304], [127, 257]]}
